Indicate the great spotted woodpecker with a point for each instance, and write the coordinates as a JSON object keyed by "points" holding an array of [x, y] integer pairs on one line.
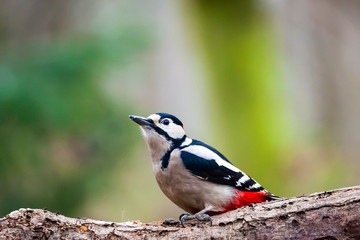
{"points": [[193, 175]]}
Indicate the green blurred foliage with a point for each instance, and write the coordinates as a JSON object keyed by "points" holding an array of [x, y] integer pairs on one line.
{"points": [[256, 128], [60, 135], [247, 90]]}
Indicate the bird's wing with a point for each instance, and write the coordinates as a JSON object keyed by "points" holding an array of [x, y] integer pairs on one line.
{"points": [[208, 165]]}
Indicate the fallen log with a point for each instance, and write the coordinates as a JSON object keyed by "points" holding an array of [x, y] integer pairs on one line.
{"points": [[327, 215]]}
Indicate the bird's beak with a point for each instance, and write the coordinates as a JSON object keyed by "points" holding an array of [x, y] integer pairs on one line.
{"points": [[142, 121]]}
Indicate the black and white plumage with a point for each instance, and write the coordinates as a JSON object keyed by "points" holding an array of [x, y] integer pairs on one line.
{"points": [[207, 163], [194, 175]]}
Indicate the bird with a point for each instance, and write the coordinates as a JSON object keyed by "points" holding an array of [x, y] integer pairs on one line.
{"points": [[193, 175]]}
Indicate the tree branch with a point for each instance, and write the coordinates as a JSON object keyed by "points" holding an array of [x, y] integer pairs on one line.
{"points": [[327, 215]]}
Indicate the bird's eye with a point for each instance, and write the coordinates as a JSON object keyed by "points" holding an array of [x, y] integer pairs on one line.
{"points": [[166, 122]]}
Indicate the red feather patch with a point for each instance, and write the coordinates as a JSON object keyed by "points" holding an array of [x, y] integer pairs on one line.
{"points": [[243, 198]]}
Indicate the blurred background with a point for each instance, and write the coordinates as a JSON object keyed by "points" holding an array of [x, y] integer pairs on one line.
{"points": [[274, 85]]}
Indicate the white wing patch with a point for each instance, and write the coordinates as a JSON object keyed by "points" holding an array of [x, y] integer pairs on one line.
{"points": [[206, 153]]}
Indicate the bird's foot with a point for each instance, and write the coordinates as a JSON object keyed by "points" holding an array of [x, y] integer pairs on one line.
{"points": [[199, 216]]}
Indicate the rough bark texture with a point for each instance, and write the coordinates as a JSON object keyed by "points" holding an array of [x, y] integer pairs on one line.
{"points": [[327, 215]]}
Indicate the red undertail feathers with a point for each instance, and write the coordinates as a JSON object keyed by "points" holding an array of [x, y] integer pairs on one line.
{"points": [[245, 198]]}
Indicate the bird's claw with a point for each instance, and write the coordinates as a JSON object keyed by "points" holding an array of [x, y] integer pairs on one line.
{"points": [[204, 217], [199, 216], [183, 217]]}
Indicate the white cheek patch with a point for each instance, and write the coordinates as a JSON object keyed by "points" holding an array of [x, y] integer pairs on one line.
{"points": [[173, 130]]}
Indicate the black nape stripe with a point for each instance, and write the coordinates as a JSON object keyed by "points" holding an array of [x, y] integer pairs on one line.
{"points": [[166, 158]]}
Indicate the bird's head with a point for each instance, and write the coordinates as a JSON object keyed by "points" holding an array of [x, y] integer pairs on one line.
{"points": [[160, 130]]}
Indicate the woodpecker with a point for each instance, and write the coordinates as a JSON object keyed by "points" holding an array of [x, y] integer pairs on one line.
{"points": [[193, 175]]}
